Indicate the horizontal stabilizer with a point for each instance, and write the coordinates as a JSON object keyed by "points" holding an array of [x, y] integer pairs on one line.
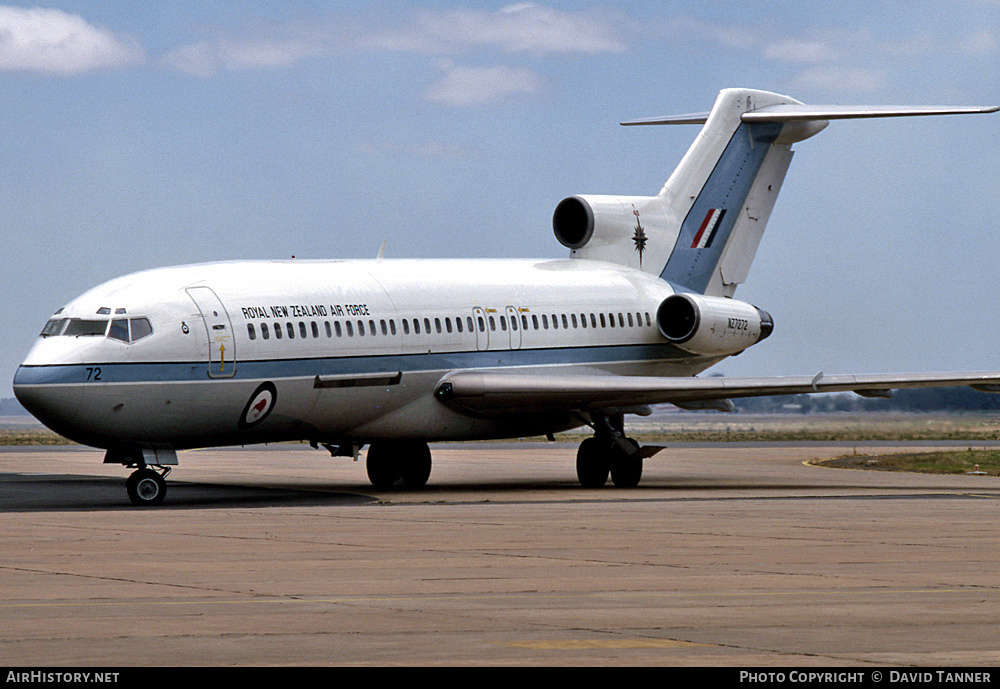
{"points": [[798, 113], [802, 113], [503, 392]]}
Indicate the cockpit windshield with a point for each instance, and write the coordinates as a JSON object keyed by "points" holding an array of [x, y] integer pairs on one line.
{"points": [[121, 329]]}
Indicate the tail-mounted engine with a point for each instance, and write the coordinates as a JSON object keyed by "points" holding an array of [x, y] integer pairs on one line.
{"points": [[711, 326], [596, 221]]}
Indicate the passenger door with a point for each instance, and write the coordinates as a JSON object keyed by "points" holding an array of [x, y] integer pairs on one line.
{"points": [[221, 340]]}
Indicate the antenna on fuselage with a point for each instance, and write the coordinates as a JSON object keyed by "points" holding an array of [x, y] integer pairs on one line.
{"points": [[381, 251]]}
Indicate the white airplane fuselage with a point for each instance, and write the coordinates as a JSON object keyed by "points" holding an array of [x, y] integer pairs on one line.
{"points": [[354, 349]]}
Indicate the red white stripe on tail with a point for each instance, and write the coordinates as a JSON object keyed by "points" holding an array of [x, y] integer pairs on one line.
{"points": [[703, 239]]}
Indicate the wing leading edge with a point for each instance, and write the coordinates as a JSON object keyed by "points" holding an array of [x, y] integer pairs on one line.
{"points": [[508, 392]]}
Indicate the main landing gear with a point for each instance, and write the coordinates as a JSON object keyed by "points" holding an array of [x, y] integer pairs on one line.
{"points": [[609, 452], [405, 463]]}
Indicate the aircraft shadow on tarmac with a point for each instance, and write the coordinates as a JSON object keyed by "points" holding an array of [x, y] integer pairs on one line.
{"points": [[63, 492]]}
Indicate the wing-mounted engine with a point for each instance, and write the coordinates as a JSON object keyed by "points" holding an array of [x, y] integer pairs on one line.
{"points": [[711, 326], [629, 230]]}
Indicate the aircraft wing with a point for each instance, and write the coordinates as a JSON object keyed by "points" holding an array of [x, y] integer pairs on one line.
{"points": [[511, 392]]}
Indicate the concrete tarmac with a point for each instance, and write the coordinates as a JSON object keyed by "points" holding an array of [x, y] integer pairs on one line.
{"points": [[723, 556]]}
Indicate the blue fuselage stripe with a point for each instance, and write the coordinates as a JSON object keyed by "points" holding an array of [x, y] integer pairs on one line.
{"points": [[273, 369]]}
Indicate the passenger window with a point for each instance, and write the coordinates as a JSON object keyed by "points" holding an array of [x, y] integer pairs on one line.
{"points": [[392, 326], [371, 327], [534, 321], [593, 321], [482, 324], [291, 331], [493, 324], [406, 327], [326, 324], [621, 320], [503, 323], [468, 320], [513, 322], [545, 322], [647, 319], [361, 328], [264, 332], [437, 325], [555, 322], [447, 324], [251, 331], [314, 328], [583, 320], [573, 318], [350, 328], [427, 326], [630, 319], [524, 322], [119, 329], [603, 323], [337, 329], [385, 329], [277, 331], [302, 330], [458, 324], [565, 322], [416, 326]]}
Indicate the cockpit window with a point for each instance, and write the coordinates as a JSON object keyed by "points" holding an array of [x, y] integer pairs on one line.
{"points": [[119, 329], [53, 327], [85, 327], [129, 329], [140, 328]]}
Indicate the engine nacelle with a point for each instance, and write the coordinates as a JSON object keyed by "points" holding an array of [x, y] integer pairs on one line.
{"points": [[580, 221], [711, 326]]}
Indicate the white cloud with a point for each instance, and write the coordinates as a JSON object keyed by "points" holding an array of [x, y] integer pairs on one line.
{"points": [[51, 41], [800, 51], [465, 86], [522, 28], [839, 79]]}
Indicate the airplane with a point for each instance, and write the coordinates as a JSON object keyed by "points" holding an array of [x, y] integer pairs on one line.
{"points": [[394, 354]]}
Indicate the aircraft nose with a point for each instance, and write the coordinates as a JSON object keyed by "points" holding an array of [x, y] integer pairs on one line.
{"points": [[57, 406]]}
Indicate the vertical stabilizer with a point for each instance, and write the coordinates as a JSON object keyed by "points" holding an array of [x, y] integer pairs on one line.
{"points": [[723, 191]]}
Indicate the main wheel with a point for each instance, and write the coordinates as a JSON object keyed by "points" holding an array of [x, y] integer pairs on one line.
{"points": [[626, 464], [392, 462], [146, 488], [593, 463], [382, 464], [416, 465]]}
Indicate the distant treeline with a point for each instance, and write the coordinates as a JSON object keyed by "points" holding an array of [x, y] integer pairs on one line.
{"points": [[920, 399]]}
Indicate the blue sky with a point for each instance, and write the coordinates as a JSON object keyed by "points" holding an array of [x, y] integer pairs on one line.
{"points": [[138, 135]]}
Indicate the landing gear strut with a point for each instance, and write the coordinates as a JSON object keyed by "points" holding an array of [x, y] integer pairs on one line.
{"points": [[399, 462], [609, 452]]}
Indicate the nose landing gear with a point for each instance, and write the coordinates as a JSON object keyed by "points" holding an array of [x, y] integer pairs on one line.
{"points": [[147, 488]]}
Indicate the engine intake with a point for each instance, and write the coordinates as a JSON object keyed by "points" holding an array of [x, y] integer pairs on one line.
{"points": [[712, 326]]}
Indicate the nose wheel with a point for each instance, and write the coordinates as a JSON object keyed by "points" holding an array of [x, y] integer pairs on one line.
{"points": [[146, 488]]}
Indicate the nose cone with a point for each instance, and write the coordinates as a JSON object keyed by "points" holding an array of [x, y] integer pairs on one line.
{"points": [[55, 405]]}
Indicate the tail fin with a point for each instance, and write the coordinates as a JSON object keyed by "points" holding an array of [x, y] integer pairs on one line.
{"points": [[701, 231]]}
